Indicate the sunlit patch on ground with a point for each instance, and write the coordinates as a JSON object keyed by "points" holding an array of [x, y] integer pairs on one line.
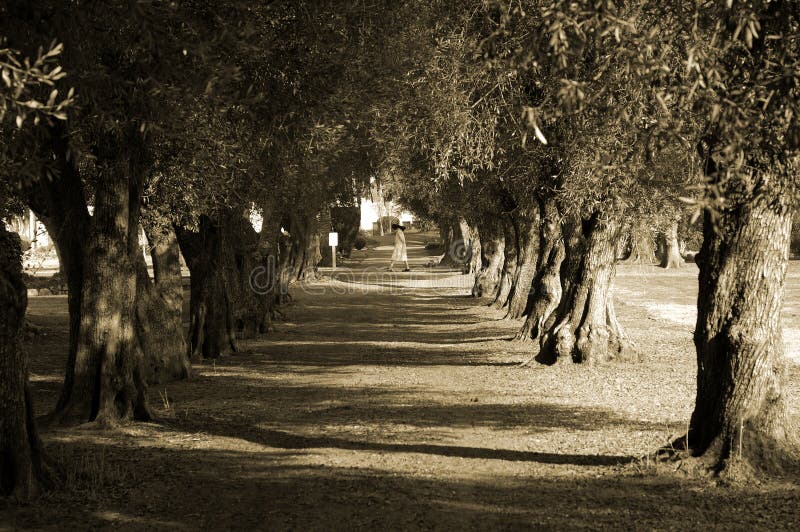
{"points": [[687, 315]]}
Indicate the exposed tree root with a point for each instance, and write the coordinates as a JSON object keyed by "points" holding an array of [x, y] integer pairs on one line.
{"points": [[745, 456]]}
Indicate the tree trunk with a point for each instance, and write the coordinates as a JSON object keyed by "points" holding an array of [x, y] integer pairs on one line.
{"points": [[445, 235], [487, 281], [671, 257], [547, 284], [740, 414], [255, 296], [160, 309], [60, 203], [211, 327], [312, 257], [509, 264], [640, 246], [586, 329], [266, 281], [472, 245], [527, 238], [324, 226], [108, 383], [574, 248], [278, 246], [22, 471], [284, 268], [305, 248], [455, 246], [226, 262]]}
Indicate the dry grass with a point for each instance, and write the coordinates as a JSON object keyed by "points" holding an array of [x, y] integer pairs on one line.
{"points": [[406, 410]]}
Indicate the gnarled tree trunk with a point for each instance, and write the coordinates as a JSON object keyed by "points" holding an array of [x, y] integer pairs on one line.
{"points": [[454, 244], [160, 308], [487, 280], [108, 384], [267, 280], [305, 255], [509, 264], [670, 248], [60, 203], [472, 245], [741, 407], [639, 245], [526, 228], [223, 257], [547, 283], [211, 327], [586, 329], [284, 268], [22, 471]]}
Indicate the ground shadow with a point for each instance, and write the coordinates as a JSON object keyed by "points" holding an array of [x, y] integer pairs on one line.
{"points": [[245, 490]]}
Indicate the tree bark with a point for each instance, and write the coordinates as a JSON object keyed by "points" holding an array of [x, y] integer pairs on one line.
{"points": [[640, 246], [211, 327], [22, 468], [224, 257], [455, 246], [547, 284], [267, 281], [108, 384], [472, 245], [527, 242], [671, 255], [509, 264], [278, 247], [284, 268], [160, 308], [586, 329], [60, 203], [487, 280], [740, 414], [305, 248]]}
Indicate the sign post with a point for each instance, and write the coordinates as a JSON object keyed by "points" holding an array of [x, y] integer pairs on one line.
{"points": [[333, 241]]}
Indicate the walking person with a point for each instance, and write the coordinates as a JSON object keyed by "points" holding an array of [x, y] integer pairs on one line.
{"points": [[399, 253]]}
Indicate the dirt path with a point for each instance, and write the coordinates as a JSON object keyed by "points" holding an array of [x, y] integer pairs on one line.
{"points": [[394, 401]]}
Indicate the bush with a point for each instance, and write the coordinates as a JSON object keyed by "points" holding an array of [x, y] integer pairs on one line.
{"points": [[55, 283], [360, 242]]}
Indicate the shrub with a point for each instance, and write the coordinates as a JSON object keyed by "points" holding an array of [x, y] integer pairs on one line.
{"points": [[360, 242]]}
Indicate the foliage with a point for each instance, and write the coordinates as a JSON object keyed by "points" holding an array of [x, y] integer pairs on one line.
{"points": [[22, 78], [23, 86], [725, 82]]}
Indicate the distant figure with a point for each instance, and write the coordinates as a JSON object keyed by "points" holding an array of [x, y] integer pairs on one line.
{"points": [[399, 253]]}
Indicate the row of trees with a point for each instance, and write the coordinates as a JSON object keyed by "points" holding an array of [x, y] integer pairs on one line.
{"points": [[176, 118], [537, 133], [556, 129]]}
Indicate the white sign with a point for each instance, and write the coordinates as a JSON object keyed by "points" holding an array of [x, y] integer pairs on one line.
{"points": [[333, 239]]}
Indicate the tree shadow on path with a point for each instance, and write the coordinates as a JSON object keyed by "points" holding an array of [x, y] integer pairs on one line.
{"points": [[286, 440]]}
